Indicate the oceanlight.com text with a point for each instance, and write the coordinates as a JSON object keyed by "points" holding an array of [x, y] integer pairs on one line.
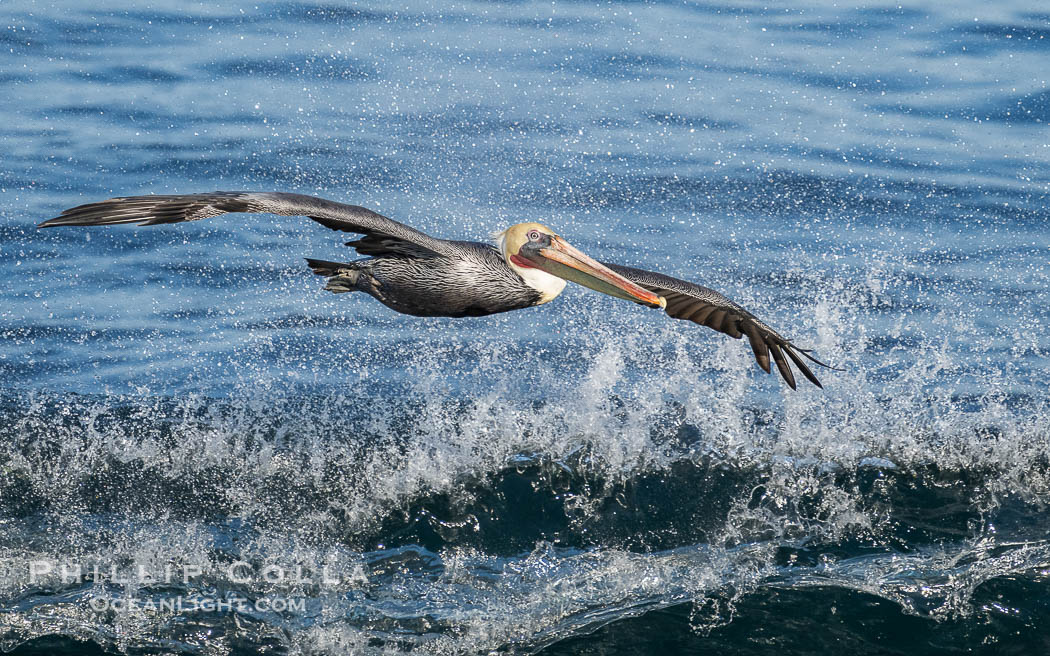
{"points": [[182, 604]]}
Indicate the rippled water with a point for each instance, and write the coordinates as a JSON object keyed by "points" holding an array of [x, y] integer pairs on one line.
{"points": [[186, 412]]}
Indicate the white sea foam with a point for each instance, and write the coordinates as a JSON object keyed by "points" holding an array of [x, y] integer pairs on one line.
{"points": [[635, 403]]}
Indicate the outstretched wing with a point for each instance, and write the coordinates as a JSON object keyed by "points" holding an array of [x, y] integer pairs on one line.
{"points": [[686, 300], [382, 235]]}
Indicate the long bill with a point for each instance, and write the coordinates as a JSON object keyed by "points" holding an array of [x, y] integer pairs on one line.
{"points": [[565, 261]]}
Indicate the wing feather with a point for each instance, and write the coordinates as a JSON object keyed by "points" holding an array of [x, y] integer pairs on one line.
{"points": [[782, 365], [802, 366], [692, 302], [382, 235], [758, 345]]}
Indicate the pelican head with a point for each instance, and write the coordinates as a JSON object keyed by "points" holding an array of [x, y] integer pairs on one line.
{"points": [[545, 261]]}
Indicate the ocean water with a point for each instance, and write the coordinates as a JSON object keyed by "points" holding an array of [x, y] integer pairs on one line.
{"points": [[201, 452]]}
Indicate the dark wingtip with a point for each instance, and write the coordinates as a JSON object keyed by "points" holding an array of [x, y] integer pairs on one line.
{"points": [[782, 365], [806, 352], [91, 214], [791, 353], [758, 346], [77, 220]]}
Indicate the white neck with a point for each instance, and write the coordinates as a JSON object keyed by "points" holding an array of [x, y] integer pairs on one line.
{"points": [[547, 285]]}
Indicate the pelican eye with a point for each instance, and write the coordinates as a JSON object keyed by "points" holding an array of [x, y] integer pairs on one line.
{"points": [[534, 235]]}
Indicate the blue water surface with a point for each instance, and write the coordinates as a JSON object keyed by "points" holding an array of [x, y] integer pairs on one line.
{"points": [[582, 477]]}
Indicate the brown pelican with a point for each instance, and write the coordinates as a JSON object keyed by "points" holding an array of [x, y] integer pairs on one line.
{"points": [[414, 273]]}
